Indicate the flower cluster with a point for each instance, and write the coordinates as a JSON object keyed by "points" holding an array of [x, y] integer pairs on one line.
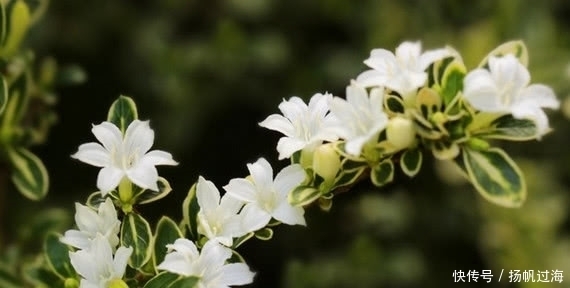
{"points": [[409, 102]]}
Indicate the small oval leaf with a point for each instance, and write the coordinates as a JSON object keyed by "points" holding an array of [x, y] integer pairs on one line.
{"points": [[167, 232], [411, 162], [147, 196], [495, 176], [383, 173], [190, 209], [29, 174], [136, 233], [57, 257], [264, 234], [122, 112], [171, 280], [3, 94], [516, 48], [303, 195]]}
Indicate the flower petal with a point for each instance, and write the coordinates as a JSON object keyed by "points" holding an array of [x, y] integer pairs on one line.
{"points": [[75, 238], [159, 157], [93, 154], [431, 56], [241, 189], [176, 263], [287, 146], [208, 195], [261, 173], [278, 123], [481, 91], [288, 214], [144, 175], [120, 261], [138, 137], [236, 274], [108, 134], [289, 178], [86, 219], [540, 96], [372, 78], [108, 179], [408, 51], [253, 218], [294, 108], [213, 256]]}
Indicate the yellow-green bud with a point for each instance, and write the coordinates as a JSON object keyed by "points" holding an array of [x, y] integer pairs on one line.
{"points": [[307, 156], [400, 132], [71, 283], [478, 144], [117, 283], [326, 162]]}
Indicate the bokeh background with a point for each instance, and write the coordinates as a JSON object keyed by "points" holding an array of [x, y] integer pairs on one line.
{"points": [[206, 72]]}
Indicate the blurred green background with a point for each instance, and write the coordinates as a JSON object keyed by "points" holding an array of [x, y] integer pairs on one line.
{"points": [[206, 72]]}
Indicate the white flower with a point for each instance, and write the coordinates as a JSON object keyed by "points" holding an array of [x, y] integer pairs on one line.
{"points": [[124, 156], [90, 223], [219, 218], [209, 264], [359, 118], [266, 197], [403, 72], [302, 125], [96, 264], [504, 88]]}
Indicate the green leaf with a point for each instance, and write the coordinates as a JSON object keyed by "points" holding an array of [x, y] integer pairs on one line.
{"points": [[122, 112], [95, 199], [507, 127], [57, 257], [37, 274], [17, 104], [19, 22], [303, 195], [3, 22], [8, 280], [3, 94], [170, 280], [136, 233], [516, 48], [325, 202], [29, 174], [242, 239], [443, 150], [148, 196], [383, 173], [167, 232], [190, 209], [394, 104], [347, 177], [411, 162], [495, 176], [452, 81], [264, 234]]}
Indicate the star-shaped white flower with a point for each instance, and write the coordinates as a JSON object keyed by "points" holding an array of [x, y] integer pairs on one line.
{"points": [[90, 223], [266, 197], [403, 72], [97, 266], [218, 218], [303, 125], [124, 155], [504, 88], [209, 264], [360, 117]]}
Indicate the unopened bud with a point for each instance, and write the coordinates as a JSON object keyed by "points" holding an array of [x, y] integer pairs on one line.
{"points": [[400, 132], [117, 283], [326, 162], [71, 283]]}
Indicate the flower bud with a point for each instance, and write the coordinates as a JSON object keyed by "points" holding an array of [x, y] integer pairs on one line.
{"points": [[400, 132], [71, 283], [117, 283], [326, 162]]}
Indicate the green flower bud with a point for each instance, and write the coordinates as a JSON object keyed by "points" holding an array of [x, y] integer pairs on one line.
{"points": [[71, 283], [400, 132], [326, 162], [117, 283]]}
